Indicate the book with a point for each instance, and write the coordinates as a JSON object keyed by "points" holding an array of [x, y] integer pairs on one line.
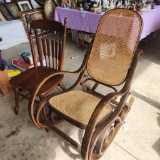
{"points": [[12, 73], [23, 65], [12, 67], [12, 70]]}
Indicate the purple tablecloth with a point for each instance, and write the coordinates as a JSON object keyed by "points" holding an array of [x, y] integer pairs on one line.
{"points": [[151, 21], [88, 21]]}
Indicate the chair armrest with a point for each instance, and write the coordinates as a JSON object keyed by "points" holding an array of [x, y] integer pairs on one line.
{"points": [[39, 85], [91, 133], [91, 130], [80, 71]]}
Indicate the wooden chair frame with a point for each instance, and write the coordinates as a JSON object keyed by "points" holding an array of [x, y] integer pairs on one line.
{"points": [[19, 82], [97, 136]]}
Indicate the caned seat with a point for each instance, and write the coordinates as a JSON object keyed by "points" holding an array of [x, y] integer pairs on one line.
{"points": [[78, 113], [110, 63]]}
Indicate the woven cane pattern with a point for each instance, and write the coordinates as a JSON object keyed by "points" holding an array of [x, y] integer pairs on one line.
{"points": [[114, 46], [78, 105]]}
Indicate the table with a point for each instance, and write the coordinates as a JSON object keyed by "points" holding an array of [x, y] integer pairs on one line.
{"points": [[88, 21]]}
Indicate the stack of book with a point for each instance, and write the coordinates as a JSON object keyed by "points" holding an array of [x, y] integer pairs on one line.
{"points": [[21, 64], [25, 61], [12, 71]]}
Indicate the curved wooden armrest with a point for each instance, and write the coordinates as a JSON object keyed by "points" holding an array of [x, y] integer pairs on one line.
{"points": [[92, 122], [137, 55], [39, 85], [102, 103], [80, 71], [123, 92], [111, 118]]}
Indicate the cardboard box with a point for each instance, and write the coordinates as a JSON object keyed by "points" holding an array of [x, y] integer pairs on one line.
{"points": [[5, 87]]}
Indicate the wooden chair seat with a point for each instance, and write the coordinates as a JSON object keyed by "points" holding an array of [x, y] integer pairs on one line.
{"points": [[68, 104], [30, 78]]}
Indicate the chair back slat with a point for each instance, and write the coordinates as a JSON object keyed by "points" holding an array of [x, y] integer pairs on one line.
{"points": [[48, 42], [56, 53], [114, 46], [59, 57], [39, 46], [48, 52], [53, 52], [44, 48]]}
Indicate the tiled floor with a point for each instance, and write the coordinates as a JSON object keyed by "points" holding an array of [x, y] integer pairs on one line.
{"points": [[139, 139]]}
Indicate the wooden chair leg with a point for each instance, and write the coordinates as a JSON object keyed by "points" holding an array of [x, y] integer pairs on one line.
{"points": [[62, 86], [95, 86], [46, 118], [45, 113], [16, 90], [54, 118], [44, 109]]}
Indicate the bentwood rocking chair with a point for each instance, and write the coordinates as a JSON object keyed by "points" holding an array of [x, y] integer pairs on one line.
{"points": [[110, 61], [47, 40]]}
